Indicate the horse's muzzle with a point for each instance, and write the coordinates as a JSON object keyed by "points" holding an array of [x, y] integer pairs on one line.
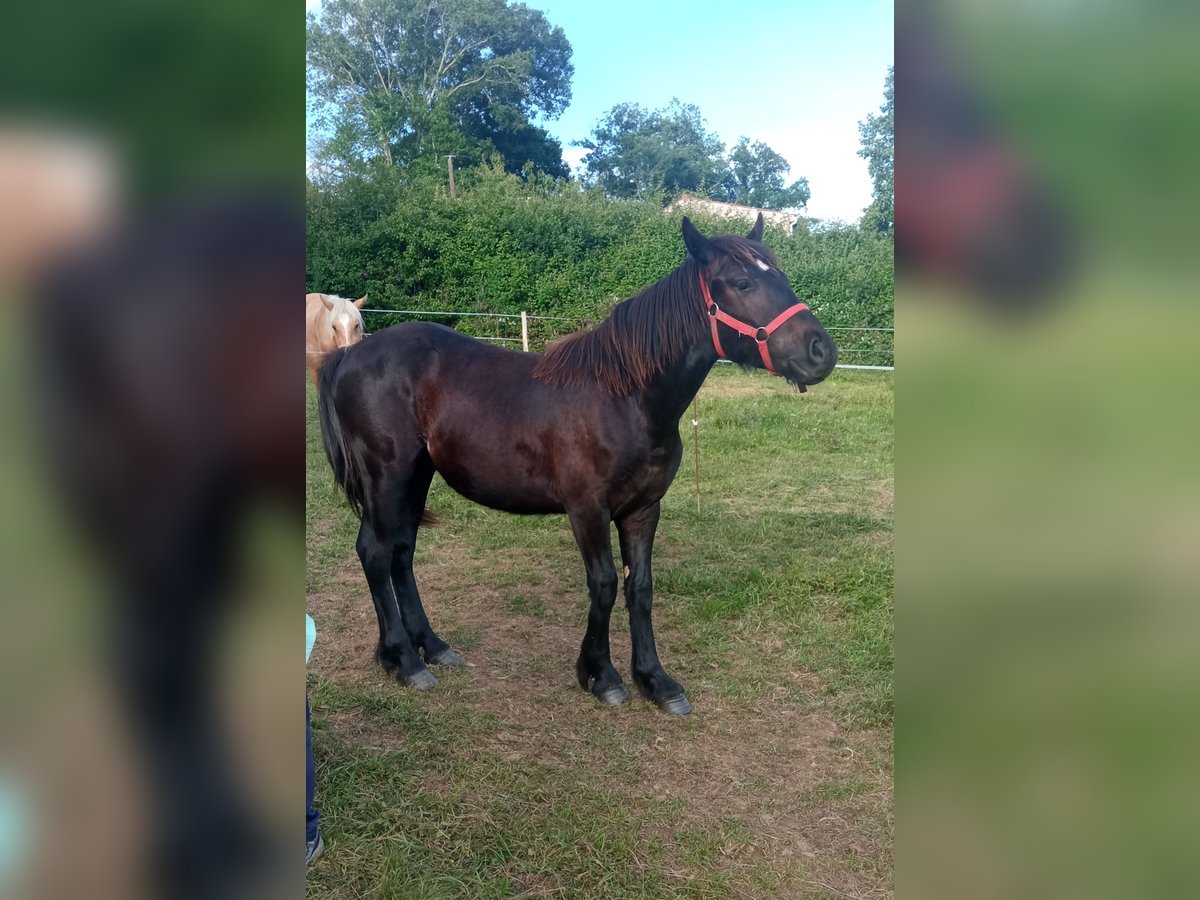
{"points": [[815, 364]]}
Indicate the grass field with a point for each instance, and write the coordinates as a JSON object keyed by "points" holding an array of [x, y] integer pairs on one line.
{"points": [[773, 608]]}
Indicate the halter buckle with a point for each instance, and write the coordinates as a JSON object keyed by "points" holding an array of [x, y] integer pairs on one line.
{"points": [[761, 335]]}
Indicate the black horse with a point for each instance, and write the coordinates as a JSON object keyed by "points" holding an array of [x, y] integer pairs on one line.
{"points": [[589, 428]]}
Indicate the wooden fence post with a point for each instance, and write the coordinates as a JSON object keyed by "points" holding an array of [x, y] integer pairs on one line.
{"points": [[524, 331]]}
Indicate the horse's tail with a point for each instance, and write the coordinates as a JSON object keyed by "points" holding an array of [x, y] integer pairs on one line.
{"points": [[346, 469]]}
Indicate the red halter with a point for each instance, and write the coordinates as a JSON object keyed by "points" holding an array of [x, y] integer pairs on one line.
{"points": [[760, 335]]}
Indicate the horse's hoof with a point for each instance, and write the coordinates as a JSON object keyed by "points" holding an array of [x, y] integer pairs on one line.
{"points": [[610, 696], [446, 658], [422, 680], [614, 696], [679, 705]]}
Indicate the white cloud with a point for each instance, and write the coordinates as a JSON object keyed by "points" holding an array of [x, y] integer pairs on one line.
{"points": [[827, 155], [573, 157]]}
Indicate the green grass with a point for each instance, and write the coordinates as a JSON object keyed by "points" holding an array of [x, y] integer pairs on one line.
{"points": [[494, 831], [776, 594]]}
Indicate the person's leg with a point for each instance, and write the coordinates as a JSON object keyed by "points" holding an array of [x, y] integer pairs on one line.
{"points": [[311, 815]]}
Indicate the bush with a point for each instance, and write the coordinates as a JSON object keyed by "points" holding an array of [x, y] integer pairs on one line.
{"points": [[550, 247]]}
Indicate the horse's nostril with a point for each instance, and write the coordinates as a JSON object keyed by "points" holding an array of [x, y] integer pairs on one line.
{"points": [[817, 351]]}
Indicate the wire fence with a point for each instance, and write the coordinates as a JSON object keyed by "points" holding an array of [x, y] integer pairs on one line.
{"points": [[859, 347]]}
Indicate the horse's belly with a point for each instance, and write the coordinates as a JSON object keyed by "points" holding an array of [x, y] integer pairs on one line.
{"points": [[502, 497], [521, 506], [494, 477], [522, 461]]}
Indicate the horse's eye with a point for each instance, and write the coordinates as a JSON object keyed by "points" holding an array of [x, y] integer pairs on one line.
{"points": [[744, 285]]}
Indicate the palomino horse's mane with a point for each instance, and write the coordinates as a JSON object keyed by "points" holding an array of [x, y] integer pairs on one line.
{"points": [[349, 300], [645, 334]]}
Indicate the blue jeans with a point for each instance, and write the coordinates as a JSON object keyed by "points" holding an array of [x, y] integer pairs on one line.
{"points": [[311, 815]]}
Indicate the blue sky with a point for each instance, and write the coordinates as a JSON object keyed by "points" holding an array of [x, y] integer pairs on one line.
{"points": [[796, 74]]}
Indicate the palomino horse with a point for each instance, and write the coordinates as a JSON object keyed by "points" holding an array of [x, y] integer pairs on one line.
{"points": [[330, 322], [589, 428]]}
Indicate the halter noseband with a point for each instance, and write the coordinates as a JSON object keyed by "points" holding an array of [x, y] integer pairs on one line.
{"points": [[760, 334]]}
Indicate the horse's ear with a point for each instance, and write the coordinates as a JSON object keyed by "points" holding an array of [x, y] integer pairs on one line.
{"points": [[328, 303], [701, 248], [363, 299], [756, 232]]}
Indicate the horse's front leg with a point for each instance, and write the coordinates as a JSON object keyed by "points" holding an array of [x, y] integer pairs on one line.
{"points": [[594, 667], [636, 532]]}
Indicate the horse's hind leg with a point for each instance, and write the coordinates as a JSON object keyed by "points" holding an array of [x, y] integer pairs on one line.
{"points": [[416, 623], [594, 667], [395, 652]]}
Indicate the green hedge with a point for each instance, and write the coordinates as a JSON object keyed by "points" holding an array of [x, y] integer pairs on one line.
{"points": [[507, 244]]}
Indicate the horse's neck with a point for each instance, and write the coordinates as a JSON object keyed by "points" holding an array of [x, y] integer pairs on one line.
{"points": [[671, 391]]}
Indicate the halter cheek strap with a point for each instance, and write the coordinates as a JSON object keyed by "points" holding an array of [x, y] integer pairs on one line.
{"points": [[760, 334]]}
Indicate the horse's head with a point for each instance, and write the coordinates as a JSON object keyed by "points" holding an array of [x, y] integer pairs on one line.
{"points": [[755, 317], [345, 318]]}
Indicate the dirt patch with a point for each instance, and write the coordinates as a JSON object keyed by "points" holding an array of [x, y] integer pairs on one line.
{"points": [[884, 496], [347, 631], [809, 797]]}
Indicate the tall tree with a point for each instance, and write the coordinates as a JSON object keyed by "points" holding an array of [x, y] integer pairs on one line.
{"points": [[402, 81], [756, 178], [634, 152], [877, 136]]}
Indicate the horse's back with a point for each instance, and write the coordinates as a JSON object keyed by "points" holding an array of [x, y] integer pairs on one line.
{"points": [[413, 348], [431, 361]]}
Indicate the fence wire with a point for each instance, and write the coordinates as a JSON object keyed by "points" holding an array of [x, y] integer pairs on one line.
{"points": [[859, 346]]}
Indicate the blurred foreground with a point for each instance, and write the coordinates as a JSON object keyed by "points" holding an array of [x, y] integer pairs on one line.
{"points": [[1049, 525], [152, 453], [154, 401]]}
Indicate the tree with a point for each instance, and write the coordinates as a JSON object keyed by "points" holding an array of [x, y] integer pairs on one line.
{"points": [[634, 152], [756, 178], [877, 136], [404, 82], [508, 133]]}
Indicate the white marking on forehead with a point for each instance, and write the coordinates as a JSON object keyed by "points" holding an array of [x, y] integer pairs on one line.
{"points": [[762, 265], [346, 321]]}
